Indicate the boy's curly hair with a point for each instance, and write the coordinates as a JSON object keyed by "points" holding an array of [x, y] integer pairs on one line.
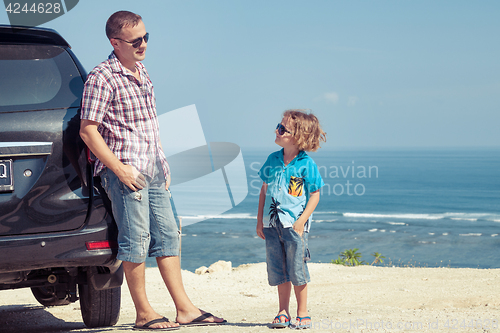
{"points": [[305, 129]]}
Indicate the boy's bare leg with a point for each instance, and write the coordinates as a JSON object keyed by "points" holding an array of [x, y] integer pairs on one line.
{"points": [[284, 291], [170, 270], [301, 296], [136, 280]]}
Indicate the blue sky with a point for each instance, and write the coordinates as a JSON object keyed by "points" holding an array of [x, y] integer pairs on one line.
{"points": [[376, 73]]}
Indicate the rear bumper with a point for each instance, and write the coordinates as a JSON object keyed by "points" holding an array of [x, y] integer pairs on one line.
{"points": [[68, 249]]}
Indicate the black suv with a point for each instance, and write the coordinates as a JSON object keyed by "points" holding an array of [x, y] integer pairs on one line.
{"points": [[57, 233]]}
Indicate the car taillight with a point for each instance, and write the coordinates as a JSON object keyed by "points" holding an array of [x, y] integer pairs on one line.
{"points": [[101, 245]]}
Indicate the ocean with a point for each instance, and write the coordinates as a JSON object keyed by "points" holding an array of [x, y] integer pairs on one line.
{"points": [[417, 207]]}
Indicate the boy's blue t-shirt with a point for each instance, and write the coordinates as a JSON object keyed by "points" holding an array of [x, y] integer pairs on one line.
{"points": [[288, 188]]}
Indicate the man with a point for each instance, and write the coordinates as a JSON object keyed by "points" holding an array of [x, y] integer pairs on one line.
{"points": [[120, 126]]}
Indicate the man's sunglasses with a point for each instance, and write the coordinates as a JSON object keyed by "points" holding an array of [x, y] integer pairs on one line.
{"points": [[136, 42], [282, 129]]}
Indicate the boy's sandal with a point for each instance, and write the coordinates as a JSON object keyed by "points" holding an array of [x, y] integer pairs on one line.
{"points": [[280, 324], [298, 324]]}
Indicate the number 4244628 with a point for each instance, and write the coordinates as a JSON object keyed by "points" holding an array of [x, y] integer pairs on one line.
{"points": [[36, 8]]}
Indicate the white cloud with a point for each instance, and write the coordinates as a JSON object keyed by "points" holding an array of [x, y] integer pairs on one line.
{"points": [[352, 101], [331, 97]]}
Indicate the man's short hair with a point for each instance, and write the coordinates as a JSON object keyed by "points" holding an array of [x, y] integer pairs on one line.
{"points": [[121, 19]]}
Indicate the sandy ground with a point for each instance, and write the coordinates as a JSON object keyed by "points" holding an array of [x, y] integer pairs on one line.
{"points": [[341, 299]]}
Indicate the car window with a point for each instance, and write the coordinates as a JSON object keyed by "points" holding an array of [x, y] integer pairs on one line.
{"points": [[38, 77]]}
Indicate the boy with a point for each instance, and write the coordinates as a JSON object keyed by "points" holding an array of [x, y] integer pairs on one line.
{"points": [[293, 181]]}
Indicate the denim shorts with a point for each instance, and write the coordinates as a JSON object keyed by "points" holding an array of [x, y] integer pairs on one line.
{"points": [[287, 255], [145, 220]]}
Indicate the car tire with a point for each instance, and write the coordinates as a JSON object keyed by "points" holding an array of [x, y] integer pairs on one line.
{"points": [[99, 308], [48, 296]]}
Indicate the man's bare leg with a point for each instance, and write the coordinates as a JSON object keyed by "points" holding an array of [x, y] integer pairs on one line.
{"points": [[136, 280], [170, 270]]}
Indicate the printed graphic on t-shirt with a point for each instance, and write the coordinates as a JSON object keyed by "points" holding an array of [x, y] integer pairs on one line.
{"points": [[296, 186], [274, 209]]}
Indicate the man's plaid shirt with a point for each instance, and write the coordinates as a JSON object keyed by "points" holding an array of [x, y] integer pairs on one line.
{"points": [[126, 111]]}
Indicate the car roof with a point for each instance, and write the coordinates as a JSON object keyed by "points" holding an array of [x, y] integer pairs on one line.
{"points": [[30, 35]]}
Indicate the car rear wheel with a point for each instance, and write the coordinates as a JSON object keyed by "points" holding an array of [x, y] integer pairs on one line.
{"points": [[99, 307], [47, 296]]}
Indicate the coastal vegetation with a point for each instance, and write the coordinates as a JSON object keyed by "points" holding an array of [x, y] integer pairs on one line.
{"points": [[351, 257]]}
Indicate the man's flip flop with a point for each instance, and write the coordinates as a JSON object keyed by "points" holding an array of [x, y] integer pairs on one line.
{"points": [[199, 321], [280, 324], [147, 326]]}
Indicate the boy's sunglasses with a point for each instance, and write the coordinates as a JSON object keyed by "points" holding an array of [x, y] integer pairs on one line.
{"points": [[282, 129], [136, 42]]}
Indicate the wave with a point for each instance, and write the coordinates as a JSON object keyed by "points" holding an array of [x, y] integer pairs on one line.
{"points": [[323, 221], [328, 213], [473, 217], [400, 216], [321, 218], [241, 216]]}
